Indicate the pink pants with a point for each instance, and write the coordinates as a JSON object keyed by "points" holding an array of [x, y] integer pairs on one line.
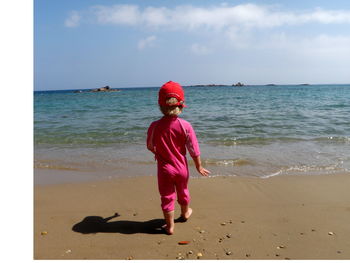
{"points": [[170, 184]]}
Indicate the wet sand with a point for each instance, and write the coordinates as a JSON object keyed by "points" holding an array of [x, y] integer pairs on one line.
{"points": [[283, 217]]}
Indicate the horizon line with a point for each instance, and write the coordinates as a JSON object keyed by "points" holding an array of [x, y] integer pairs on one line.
{"points": [[208, 85]]}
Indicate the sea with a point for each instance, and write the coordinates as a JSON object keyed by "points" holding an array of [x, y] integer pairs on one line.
{"points": [[255, 131]]}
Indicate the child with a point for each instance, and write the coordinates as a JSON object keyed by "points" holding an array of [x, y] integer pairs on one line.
{"points": [[168, 139]]}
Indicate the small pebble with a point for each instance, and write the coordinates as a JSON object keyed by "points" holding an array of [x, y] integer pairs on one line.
{"points": [[287, 258], [129, 258], [201, 231], [313, 230], [190, 252], [44, 233], [68, 251], [180, 257], [242, 222], [230, 222], [228, 253], [223, 224], [135, 214], [277, 255], [247, 255], [279, 247], [199, 255], [220, 240], [184, 242], [330, 233], [339, 252], [228, 235]]}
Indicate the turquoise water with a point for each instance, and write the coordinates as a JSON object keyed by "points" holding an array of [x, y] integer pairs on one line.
{"points": [[243, 131]]}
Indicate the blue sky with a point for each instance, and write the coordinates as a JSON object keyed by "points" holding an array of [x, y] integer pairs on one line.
{"points": [[88, 44]]}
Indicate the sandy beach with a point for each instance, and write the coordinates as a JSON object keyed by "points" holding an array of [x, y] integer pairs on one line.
{"points": [[283, 217]]}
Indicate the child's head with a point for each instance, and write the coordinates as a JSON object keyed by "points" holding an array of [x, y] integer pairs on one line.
{"points": [[171, 98], [171, 109]]}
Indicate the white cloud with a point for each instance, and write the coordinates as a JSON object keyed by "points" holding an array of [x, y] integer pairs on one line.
{"points": [[73, 20], [214, 17], [199, 49], [325, 47], [117, 14], [147, 42], [313, 58], [155, 17], [327, 17], [319, 45], [248, 27]]}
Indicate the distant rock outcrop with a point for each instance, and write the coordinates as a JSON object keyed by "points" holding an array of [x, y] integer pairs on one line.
{"points": [[104, 89], [208, 85], [238, 84]]}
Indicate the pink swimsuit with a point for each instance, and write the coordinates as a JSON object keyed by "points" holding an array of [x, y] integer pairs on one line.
{"points": [[168, 139]]}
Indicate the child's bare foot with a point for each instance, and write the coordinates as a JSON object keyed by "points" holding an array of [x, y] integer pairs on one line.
{"points": [[187, 214], [168, 230], [169, 222]]}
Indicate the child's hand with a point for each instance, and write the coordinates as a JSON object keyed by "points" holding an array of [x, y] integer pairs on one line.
{"points": [[202, 171], [199, 167]]}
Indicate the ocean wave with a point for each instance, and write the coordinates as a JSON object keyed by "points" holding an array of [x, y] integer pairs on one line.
{"points": [[232, 162], [307, 170], [55, 166], [337, 139], [251, 141], [66, 163], [265, 141]]}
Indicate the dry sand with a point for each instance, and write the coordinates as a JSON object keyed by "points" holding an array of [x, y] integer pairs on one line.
{"points": [[286, 217]]}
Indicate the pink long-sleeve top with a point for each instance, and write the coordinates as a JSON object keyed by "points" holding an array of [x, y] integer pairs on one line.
{"points": [[168, 139]]}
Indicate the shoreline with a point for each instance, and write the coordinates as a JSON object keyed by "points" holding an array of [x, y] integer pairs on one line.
{"points": [[43, 177], [240, 160], [281, 217]]}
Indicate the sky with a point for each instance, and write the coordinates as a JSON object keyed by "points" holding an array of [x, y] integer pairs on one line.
{"points": [[83, 44]]}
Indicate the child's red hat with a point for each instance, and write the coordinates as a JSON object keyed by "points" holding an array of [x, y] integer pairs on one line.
{"points": [[171, 90]]}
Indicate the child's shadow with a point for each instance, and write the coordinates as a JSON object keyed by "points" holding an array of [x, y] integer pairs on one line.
{"points": [[97, 224]]}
